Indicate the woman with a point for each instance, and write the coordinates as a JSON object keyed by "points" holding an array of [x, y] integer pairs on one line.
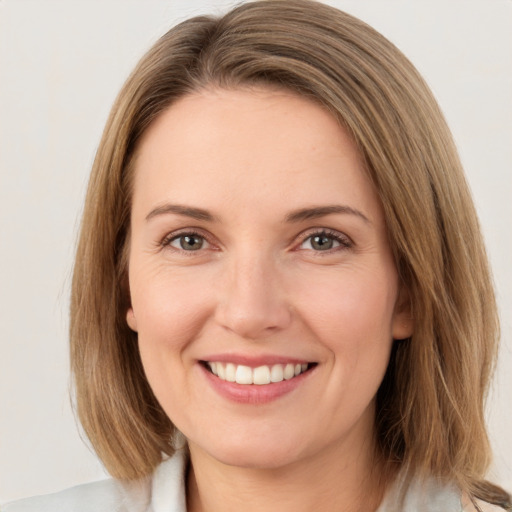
{"points": [[281, 297]]}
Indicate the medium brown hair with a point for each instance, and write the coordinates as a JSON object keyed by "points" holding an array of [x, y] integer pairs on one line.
{"points": [[430, 418]]}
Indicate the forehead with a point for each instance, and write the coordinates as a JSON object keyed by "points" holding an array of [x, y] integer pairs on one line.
{"points": [[254, 147]]}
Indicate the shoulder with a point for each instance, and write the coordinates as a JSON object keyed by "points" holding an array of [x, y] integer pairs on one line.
{"points": [[431, 495], [469, 506], [163, 491], [102, 496]]}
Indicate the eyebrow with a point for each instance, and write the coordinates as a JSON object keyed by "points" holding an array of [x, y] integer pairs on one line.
{"points": [[178, 209], [321, 211], [295, 216]]}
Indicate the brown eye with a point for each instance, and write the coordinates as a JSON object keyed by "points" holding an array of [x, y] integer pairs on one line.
{"points": [[188, 242]]}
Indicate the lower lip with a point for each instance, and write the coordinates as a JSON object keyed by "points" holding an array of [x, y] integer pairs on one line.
{"points": [[254, 393]]}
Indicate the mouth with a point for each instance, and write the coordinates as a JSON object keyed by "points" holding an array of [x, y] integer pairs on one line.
{"points": [[260, 375]]}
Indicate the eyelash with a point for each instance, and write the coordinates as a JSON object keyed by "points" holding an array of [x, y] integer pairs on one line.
{"points": [[344, 241], [166, 242]]}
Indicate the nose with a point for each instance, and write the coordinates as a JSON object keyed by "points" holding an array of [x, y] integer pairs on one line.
{"points": [[252, 302]]}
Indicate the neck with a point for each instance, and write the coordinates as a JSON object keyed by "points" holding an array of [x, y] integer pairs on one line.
{"points": [[330, 481]]}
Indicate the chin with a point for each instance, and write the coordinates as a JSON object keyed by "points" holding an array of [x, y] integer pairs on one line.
{"points": [[256, 459], [254, 453]]}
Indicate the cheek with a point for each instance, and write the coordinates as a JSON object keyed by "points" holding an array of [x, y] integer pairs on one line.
{"points": [[169, 306], [171, 312], [350, 311]]}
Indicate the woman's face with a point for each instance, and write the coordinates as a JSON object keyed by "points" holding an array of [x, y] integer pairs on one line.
{"points": [[259, 253]]}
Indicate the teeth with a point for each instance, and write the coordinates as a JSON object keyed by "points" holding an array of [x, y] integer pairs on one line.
{"points": [[289, 371], [243, 375], [221, 370], [230, 372], [276, 373], [260, 376], [213, 368]]}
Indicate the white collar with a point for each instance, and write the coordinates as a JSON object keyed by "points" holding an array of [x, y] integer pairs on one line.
{"points": [[168, 491], [168, 487]]}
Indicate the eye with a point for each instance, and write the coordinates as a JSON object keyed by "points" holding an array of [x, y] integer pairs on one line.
{"points": [[187, 242], [325, 241]]}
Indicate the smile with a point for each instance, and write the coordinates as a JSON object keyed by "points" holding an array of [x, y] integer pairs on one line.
{"points": [[260, 375]]}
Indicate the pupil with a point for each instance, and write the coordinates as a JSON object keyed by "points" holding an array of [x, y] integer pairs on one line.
{"points": [[322, 243], [191, 243]]}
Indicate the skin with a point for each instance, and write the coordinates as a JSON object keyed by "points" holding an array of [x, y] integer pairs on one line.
{"points": [[259, 286]]}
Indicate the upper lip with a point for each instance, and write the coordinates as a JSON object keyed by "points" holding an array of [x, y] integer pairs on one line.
{"points": [[255, 361]]}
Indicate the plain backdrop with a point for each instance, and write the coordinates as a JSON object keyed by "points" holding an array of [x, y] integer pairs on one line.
{"points": [[61, 65]]}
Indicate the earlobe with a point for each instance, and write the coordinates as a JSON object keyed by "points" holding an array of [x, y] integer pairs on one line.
{"points": [[131, 320], [403, 326], [403, 322]]}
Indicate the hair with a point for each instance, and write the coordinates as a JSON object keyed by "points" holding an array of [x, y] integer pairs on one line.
{"points": [[430, 406]]}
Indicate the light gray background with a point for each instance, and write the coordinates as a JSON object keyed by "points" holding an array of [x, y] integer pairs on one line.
{"points": [[61, 65]]}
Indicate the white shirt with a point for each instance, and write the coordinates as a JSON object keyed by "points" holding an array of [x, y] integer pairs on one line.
{"points": [[165, 492]]}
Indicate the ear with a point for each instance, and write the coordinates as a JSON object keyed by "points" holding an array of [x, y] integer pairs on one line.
{"points": [[403, 322], [131, 320]]}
